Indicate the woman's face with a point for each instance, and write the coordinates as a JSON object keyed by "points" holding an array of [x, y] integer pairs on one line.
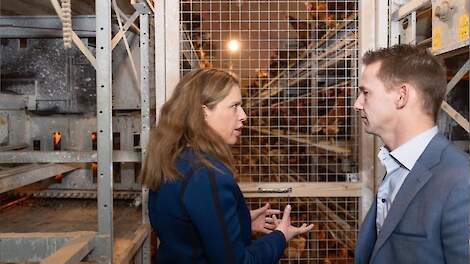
{"points": [[227, 117]]}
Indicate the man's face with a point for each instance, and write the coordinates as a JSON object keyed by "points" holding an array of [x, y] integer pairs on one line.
{"points": [[375, 103]]}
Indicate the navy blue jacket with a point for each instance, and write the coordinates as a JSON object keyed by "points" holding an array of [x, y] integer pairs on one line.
{"points": [[204, 219]]}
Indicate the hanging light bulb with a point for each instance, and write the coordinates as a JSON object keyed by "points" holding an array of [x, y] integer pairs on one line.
{"points": [[234, 45]]}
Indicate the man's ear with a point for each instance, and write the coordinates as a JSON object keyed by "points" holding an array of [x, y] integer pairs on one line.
{"points": [[403, 95]]}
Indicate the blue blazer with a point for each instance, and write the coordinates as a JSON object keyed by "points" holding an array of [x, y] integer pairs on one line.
{"points": [[204, 219], [428, 220]]}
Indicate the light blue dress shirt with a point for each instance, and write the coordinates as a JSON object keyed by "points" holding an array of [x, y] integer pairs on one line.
{"points": [[398, 165]]}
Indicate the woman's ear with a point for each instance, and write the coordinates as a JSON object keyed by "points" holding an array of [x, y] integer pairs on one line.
{"points": [[204, 110]]}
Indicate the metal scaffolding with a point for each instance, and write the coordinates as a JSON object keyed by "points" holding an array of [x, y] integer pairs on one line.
{"points": [[97, 246], [433, 25]]}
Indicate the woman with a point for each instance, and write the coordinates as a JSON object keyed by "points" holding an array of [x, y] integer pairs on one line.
{"points": [[195, 204]]}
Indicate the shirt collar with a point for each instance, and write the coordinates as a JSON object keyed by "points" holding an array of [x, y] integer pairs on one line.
{"points": [[389, 162], [407, 154]]}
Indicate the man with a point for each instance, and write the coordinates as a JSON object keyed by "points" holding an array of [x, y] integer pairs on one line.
{"points": [[421, 211]]}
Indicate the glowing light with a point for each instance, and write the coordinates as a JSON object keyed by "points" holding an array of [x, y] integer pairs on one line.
{"points": [[56, 137], [234, 45]]}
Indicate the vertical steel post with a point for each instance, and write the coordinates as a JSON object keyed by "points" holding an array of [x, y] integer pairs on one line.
{"points": [[145, 117], [104, 247]]}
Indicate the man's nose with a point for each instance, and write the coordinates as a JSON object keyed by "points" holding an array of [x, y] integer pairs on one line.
{"points": [[358, 104]]}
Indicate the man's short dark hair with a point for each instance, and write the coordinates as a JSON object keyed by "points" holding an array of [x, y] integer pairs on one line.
{"points": [[409, 64]]}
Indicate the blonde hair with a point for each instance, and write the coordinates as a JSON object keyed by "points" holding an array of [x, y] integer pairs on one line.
{"points": [[182, 124]]}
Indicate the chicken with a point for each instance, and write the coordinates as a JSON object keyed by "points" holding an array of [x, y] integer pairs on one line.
{"points": [[296, 248]]}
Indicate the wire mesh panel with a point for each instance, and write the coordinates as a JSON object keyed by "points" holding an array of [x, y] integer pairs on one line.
{"points": [[297, 61], [333, 237], [298, 64]]}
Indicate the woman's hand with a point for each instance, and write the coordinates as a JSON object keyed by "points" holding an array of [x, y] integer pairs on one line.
{"points": [[262, 220], [286, 228]]}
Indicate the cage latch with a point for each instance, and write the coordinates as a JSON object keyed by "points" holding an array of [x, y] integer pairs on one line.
{"points": [[275, 190]]}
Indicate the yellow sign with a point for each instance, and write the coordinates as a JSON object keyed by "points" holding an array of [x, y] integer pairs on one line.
{"points": [[464, 27], [436, 38]]}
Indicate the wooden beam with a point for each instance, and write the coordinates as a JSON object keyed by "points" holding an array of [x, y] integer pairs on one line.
{"points": [[151, 6], [301, 189], [72, 252], [409, 7], [81, 46], [138, 239], [124, 29], [126, 18], [126, 44], [76, 40], [458, 76], [456, 116]]}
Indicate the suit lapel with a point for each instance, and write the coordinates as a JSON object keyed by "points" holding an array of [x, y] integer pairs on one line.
{"points": [[367, 236], [407, 192], [415, 180]]}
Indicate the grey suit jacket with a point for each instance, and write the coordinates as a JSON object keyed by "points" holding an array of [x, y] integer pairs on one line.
{"points": [[428, 220]]}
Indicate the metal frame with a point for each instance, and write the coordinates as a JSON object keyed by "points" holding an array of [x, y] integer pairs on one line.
{"points": [[73, 251], [14, 102], [69, 247], [20, 176], [44, 26], [103, 247], [394, 29], [145, 119], [82, 194], [408, 10], [410, 32], [65, 156], [450, 26]]}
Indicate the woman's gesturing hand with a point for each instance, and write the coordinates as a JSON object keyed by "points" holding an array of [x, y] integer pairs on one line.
{"points": [[262, 220], [286, 228]]}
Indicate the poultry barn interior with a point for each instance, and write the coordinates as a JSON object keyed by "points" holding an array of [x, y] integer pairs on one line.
{"points": [[82, 83]]}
